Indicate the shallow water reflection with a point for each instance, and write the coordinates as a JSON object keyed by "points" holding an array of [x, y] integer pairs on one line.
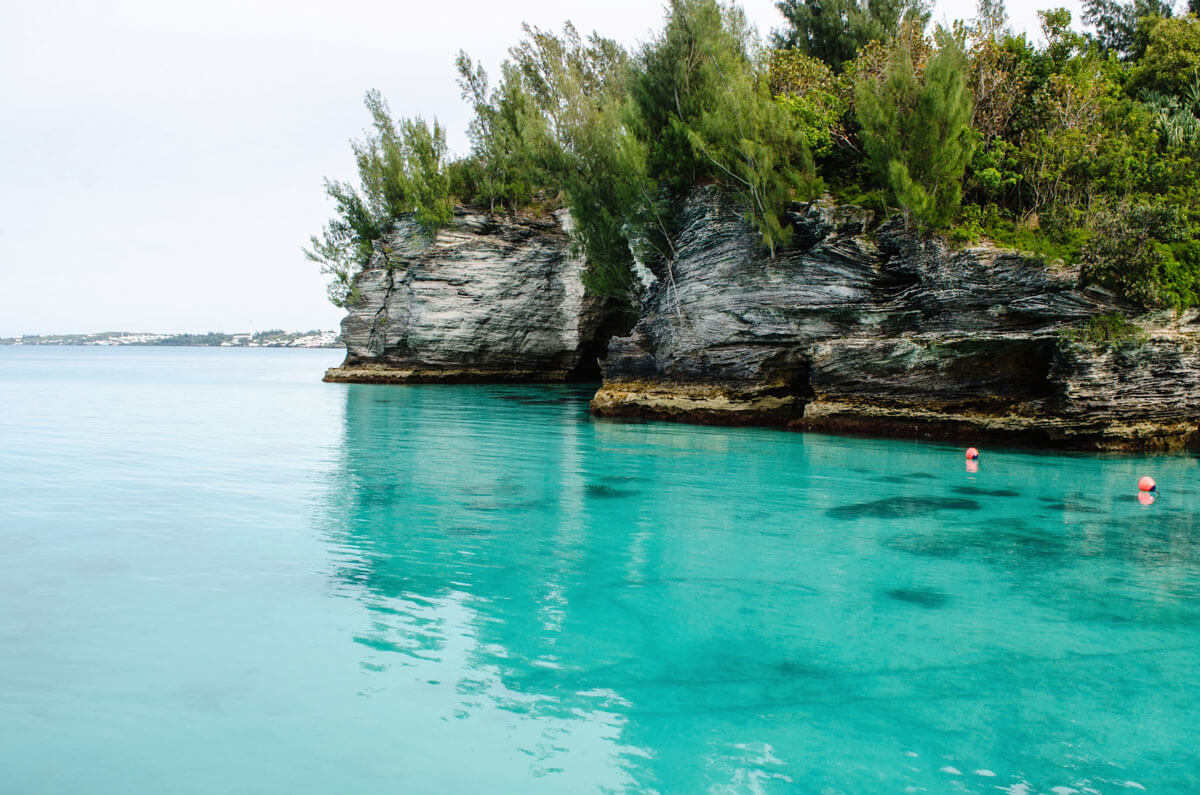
{"points": [[687, 609]]}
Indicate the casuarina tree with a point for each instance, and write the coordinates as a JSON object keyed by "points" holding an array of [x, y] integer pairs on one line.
{"points": [[834, 30], [916, 129]]}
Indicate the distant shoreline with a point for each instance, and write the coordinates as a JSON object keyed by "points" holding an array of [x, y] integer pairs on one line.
{"points": [[260, 339]]}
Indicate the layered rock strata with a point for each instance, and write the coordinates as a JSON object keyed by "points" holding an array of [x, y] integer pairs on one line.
{"points": [[886, 333], [491, 298]]}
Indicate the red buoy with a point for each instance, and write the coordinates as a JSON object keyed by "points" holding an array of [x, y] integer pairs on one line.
{"points": [[972, 453], [1147, 484]]}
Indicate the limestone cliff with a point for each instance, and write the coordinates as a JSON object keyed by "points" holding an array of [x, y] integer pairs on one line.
{"points": [[490, 298], [888, 333]]}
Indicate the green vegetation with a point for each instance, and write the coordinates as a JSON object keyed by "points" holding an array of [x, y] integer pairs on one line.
{"points": [[1107, 331], [916, 129], [834, 31], [705, 113], [1138, 251], [1122, 28], [1084, 148], [401, 169]]}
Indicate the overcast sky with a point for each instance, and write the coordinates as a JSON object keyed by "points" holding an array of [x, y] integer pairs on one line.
{"points": [[161, 162]]}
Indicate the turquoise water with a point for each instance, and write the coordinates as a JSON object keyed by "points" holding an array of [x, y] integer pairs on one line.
{"points": [[219, 575]]}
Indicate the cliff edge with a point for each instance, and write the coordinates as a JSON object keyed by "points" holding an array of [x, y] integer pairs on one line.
{"points": [[491, 298], [891, 334]]}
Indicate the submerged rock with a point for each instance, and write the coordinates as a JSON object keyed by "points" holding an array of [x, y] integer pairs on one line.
{"points": [[890, 334], [491, 298]]}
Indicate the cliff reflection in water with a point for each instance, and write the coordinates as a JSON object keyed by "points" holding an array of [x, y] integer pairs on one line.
{"points": [[661, 606], [489, 545]]}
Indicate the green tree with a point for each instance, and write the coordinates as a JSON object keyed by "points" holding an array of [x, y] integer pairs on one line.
{"points": [[506, 134], [1069, 125], [834, 30], [1130, 253], [557, 123], [402, 167], [705, 112], [807, 87], [916, 130], [991, 18], [401, 170], [1123, 28], [1172, 59], [581, 87]]}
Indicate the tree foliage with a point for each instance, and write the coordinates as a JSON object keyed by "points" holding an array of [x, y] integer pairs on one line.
{"points": [[916, 129], [996, 75], [808, 88], [623, 138], [705, 110], [1123, 27], [506, 134], [558, 121], [834, 30], [1084, 146], [402, 169], [1171, 64], [1131, 254], [581, 87]]}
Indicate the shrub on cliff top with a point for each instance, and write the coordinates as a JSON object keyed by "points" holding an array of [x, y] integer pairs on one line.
{"points": [[1131, 253], [706, 114], [916, 129], [507, 136], [624, 138], [401, 169], [556, 125], [1080, 144]]}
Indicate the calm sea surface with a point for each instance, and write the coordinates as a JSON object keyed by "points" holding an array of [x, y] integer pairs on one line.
{"points": [[219, 575]]}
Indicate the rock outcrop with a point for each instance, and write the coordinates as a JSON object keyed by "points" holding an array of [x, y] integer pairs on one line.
{"points": [[887, 333], [491, 298]]}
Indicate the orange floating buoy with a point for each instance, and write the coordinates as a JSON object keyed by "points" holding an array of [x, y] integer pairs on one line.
{"points": [[1147, 484], [972, 454]]}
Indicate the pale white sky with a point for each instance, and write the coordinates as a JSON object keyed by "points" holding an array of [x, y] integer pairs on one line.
{"points": [[161, 162]]}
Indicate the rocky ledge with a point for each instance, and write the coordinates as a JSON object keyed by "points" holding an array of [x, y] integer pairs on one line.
{"points": [[885, 333], [491, 298]]}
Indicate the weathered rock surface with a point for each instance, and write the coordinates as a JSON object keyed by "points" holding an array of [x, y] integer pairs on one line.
{"points": [[490, 298], [890, 334]]}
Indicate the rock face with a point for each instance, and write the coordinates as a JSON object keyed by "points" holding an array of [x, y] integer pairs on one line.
{"points": [[491, 298], [890, 334]]}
